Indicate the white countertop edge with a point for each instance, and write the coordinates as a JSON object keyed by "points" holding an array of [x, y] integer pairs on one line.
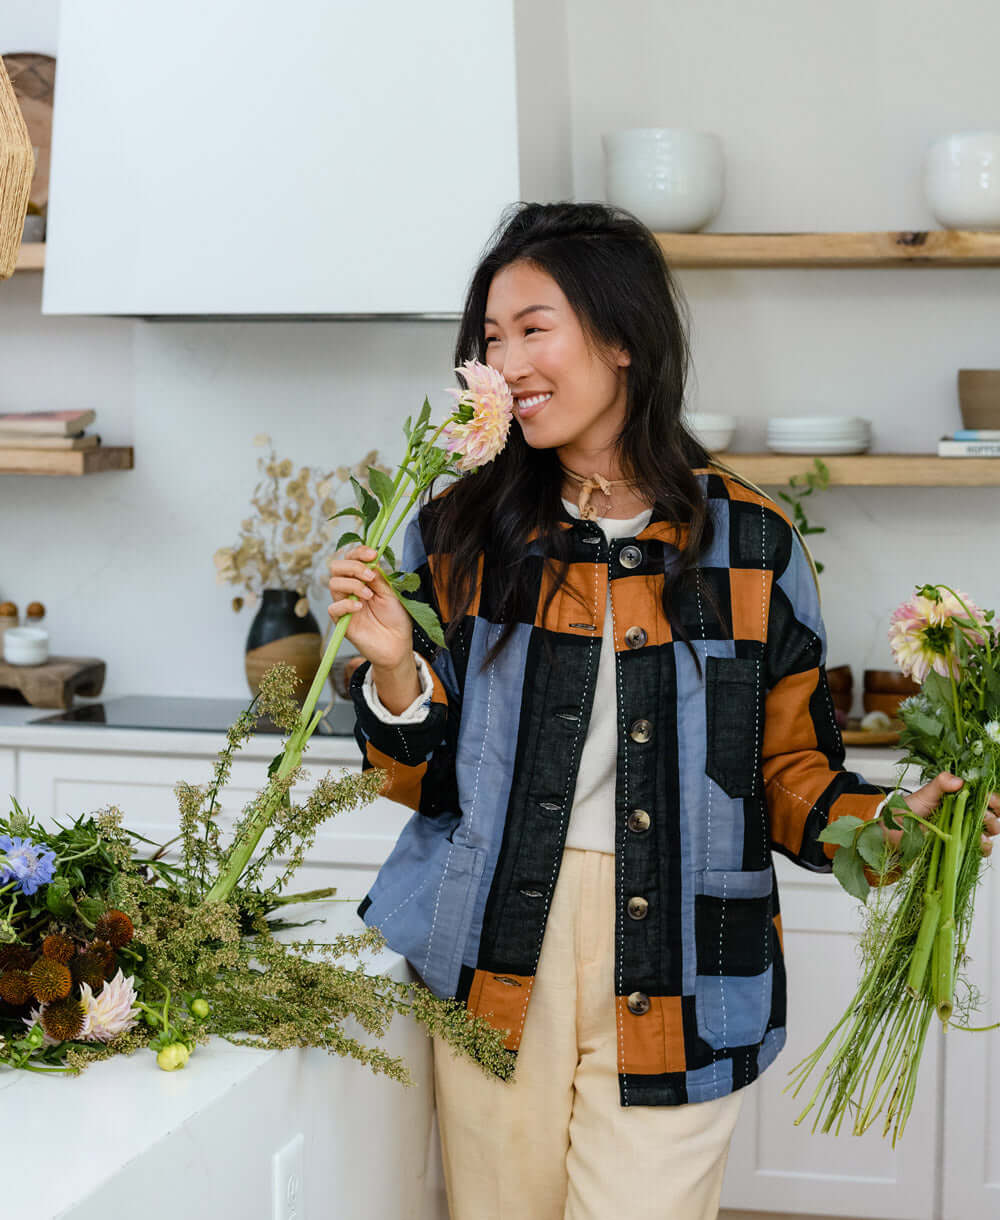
{"points": [[116, 1110], [166, 742]]}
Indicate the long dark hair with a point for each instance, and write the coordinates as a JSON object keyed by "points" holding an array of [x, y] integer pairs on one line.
{"points": [[612, 271]]}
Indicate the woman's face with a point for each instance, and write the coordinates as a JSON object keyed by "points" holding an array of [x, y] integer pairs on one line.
{"points": [[565, 396]]}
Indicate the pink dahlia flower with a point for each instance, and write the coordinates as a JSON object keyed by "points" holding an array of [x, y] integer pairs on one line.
{"points": [[920, 633], [483, 413], [110, 1012]]}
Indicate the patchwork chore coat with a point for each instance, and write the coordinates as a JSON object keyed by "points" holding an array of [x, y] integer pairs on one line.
{"points": [[715, 773]]}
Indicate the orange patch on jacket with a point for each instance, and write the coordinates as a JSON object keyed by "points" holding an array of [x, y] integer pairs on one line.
{"points": [[653, 1042], [636, 601], [578, 607], [440, 569], [501, 999], [404, 782], [750, 593]]}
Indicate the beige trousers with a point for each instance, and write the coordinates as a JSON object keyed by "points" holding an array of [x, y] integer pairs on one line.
{"points": [[554, 1143]]}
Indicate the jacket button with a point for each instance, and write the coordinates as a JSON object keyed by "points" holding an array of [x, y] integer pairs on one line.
{"points": [[638, 821], [638, 1003], [635, 637], [638, 908], [641, 730], [630, 556]]}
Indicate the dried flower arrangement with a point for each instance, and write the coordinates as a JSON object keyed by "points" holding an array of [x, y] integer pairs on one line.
{"points": [[281, 545]]}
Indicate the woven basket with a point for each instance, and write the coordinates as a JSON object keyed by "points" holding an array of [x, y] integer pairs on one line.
{"points": [[17, 164]]}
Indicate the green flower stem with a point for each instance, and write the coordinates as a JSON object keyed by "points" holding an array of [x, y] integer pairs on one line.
{"points": [[925, 940], [306, 896], [379, 535], [944, 981]]}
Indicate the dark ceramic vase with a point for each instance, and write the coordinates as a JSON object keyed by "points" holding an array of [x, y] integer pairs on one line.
{"points": [[278, 634]]}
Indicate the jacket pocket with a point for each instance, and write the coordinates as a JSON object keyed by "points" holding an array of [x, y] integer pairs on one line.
{"points": [[735, 949], [734, 725], [422, 902]]}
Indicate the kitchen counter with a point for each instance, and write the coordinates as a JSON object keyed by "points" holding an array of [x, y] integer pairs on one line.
{"points": [[127, 1138]]}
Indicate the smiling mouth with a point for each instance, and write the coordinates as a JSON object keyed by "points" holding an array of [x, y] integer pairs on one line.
{"points": [[528, 406]]}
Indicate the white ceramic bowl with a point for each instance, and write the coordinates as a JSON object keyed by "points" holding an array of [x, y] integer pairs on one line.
{"points": [[715, 432], [671, 178], [962, 180], [25, 646]]}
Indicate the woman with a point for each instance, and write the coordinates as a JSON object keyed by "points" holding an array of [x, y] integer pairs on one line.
{"points": [[631, 715]]}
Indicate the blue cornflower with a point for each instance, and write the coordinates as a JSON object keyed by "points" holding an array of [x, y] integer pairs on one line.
{"points": [[26, 863]]}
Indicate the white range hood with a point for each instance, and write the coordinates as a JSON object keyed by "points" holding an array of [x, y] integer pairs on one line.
{"points": [[241, 158]]}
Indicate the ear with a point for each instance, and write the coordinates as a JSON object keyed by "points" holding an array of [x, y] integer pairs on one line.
{"points": [[622, 358]]}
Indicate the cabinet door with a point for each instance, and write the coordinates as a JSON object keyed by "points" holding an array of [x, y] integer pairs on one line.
{"points": [[348, 851], [972, 1079], [312, 157], [777, 1167]]}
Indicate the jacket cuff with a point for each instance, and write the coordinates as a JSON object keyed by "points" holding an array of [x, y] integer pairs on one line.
{"points": [[408, 742], [418, 709]]}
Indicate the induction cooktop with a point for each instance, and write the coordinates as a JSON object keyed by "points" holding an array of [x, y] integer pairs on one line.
{"points": [[188, 715]]}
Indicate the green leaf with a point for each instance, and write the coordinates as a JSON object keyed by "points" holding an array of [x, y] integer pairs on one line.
{"points": [[425, 413], [90, 910], [849, 870], [406, 427], [274, 764], [350, 536], [925, 724], [912, 842], [344, 511], [370, 508], [389, 557], [59, 900], [871, 845], [406, 582], [841, 831], [381, 485], [425, 618]]}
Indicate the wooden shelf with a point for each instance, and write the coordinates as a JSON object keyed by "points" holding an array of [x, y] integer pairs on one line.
{"points": [[932, 248], [66, 462], [31, 257], [919, 248], [869, 469]]}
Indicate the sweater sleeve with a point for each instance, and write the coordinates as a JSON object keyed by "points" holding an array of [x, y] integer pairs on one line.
{"points": [[805, 782], [416, 713], [416, 748]]}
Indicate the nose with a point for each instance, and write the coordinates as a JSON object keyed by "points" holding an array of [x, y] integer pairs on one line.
{"points": [[512, 362]]}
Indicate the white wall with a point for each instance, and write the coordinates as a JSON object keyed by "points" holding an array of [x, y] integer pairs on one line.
{"points": [[824, 114]]}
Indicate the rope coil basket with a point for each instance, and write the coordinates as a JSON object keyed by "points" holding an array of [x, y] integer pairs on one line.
{"points": [[17, 165]]}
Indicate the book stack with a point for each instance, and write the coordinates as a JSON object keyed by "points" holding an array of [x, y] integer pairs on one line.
{"points": [[970, 442], [63, 430]]}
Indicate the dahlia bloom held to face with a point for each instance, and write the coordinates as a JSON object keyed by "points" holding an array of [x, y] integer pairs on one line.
{"points": [[484, 410], [920, 632]]}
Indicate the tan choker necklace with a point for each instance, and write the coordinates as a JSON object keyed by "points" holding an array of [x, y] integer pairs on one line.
{"points": [[592, 483]]}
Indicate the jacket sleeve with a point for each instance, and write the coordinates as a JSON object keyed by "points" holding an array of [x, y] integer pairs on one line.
{"points": [[805, 782], [419, 755], [418, 709]]}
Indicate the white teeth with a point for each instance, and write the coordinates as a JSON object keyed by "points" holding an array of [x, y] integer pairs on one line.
{"points": [[533, 402]]}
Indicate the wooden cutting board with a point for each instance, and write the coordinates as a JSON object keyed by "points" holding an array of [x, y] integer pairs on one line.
{"points": [[55, 683]]}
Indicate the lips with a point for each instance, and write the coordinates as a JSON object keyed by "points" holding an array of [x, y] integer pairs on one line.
{"points": [[531, 404]]}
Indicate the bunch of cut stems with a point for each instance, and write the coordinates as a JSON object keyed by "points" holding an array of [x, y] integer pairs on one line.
{"points": [[914, 966]]}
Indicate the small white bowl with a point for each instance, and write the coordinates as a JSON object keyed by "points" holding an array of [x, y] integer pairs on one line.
{"points": [[672, 179], [962, 181], [25, 646], [715, 432]]}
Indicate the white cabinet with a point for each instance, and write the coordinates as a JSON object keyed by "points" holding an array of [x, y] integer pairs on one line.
{"points": [[308, 158], [65, 782]]}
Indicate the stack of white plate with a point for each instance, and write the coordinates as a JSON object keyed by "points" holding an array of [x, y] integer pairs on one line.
{"points": [[819, 434]]}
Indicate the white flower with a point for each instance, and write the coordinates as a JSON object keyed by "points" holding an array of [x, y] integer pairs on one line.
{"points": [[109, 1013], [993, 731]]}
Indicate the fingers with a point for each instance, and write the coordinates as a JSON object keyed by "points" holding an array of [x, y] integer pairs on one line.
{"points": [[351, 575]]}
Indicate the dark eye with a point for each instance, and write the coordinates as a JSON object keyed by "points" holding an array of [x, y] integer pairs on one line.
{"points": [[488, 340]]}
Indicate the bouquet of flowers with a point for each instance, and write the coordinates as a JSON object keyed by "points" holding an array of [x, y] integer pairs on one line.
{"points": [[916, 932], [105, 947]]}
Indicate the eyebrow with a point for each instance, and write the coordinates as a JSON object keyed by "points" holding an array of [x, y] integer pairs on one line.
{"points": [[521, 312]]}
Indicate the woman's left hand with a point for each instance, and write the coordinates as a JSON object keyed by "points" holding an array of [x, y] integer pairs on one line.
{"points": [[926, 800]]}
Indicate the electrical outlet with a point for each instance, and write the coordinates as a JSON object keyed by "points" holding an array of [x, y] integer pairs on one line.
{"points": [[287, 1185]]}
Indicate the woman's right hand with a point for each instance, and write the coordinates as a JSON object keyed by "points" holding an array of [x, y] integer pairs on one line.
{"points": [[379, 627]]}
